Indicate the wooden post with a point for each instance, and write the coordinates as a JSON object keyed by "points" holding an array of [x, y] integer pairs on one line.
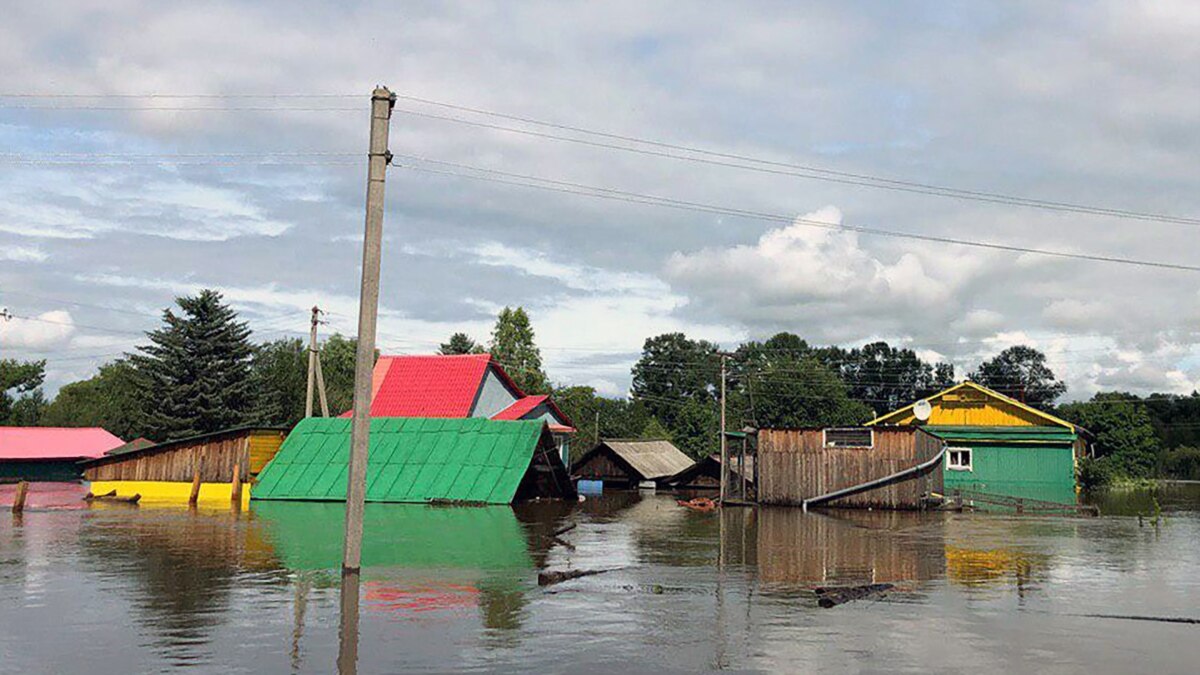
{"points": [[312, 364], [19, 497], [724, 445], [382, 102], [235, 486], [314, 370], [195, 495], [742, 469], [321, 388]]}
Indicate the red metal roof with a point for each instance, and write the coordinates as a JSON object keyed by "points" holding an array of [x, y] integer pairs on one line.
{"points": [[33, 443], [426, 386], [520, 408], [445, 386]]}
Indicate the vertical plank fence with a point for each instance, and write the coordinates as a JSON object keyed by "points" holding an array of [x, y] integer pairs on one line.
{"points": [[796, 465]]}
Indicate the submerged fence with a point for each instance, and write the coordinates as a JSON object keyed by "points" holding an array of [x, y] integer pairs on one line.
{"points": [[796, 464]]}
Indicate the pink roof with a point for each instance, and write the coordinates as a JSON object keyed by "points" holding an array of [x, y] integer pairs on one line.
{"points": [[31, 443], [520, 408]]}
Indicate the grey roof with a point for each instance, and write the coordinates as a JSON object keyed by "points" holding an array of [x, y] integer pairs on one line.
{"points": [[652, 459]]}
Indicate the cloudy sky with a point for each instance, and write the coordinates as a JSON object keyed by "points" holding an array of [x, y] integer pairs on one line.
{"points": [[111, 206]]}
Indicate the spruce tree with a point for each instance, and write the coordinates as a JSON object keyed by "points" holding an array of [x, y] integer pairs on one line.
{"points": [[513, 346], [460, 343], [194, 376]]}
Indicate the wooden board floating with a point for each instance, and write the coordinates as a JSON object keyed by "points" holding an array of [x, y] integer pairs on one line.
{"points": [[549, 578], [111, 497], [832, 597]]}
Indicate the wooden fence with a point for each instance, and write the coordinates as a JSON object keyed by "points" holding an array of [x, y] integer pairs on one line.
{"points": [[795, 465]]}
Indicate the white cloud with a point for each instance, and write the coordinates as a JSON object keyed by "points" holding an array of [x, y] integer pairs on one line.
{"points": [[23, 254], [48, 329], [821, 278], [878, 96]]}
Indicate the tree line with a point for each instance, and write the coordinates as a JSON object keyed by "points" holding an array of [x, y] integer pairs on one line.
{"points": [[201, 371]]}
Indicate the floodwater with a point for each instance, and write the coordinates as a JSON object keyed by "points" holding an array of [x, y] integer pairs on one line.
{"points": [[143, 589]]}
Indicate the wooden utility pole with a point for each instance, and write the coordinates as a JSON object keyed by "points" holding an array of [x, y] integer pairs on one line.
{"points": [[19, 498], [724, 446], [314, 369], [382, 102]]}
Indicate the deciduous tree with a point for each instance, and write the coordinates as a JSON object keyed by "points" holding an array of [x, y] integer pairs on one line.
{"points": [[514, 347], [1021, 372]]}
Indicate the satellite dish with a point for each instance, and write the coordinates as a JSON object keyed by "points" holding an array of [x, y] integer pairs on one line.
{"points": [[922, 410]]}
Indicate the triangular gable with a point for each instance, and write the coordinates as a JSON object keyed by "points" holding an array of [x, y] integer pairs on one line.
{"points": [[529, 407], [971, 404]]}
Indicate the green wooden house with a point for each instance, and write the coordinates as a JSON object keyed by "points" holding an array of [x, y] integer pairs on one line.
{"points": [[998, 445]]}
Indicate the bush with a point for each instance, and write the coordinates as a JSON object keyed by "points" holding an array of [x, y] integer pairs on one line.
{"points": [[1093, 473], [1181, 463]]}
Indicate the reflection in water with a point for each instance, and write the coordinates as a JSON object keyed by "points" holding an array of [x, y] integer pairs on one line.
{"points": [[422, 560], [347, 660], [185, 567], [975, 567], [848, 547], [452, 589]]}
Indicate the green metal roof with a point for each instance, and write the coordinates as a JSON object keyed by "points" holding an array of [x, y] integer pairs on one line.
{"points": [[411, 460], [1003, 434]]}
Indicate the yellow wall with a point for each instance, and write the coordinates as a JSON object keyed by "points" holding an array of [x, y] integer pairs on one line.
{"points": [[170, 492], [263, 446], [967, 405]]}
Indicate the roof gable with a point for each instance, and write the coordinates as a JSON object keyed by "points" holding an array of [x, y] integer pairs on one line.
{"points": [[971, 404], [426, 386], [31, 443], [650, 459], [412, 460], [520, 408]]}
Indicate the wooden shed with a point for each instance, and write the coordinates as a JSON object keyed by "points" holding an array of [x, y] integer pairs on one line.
{"points": [[705, 474], [795, 465], [164, 472], [628, 463]]}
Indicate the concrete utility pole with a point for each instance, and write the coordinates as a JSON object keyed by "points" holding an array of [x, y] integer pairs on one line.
{"points": [[314, 369], [382, 101], [724, 445]]}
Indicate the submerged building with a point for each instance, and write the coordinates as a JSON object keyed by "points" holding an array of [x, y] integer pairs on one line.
{"points": [[630, 463], [420, 460], [996, 444], [165, 471], [50, 453]]}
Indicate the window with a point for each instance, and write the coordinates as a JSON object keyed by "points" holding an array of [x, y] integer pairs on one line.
{"points": [[852, 437], [958, 459]]}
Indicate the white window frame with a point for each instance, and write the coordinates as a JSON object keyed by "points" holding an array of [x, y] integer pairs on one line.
{"points": [[969, 466], [825, 437]]}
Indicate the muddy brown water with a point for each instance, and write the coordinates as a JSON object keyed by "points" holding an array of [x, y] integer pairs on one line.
{"points": [[118, 589]]}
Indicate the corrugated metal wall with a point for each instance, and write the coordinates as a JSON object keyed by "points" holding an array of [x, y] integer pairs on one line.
{"points": [[795, 465]]}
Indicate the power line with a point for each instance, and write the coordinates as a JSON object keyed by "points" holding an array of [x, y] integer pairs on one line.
{"points": [[760, 164], [181, 108], [695, 153], [567, 187], [175, 96]]}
